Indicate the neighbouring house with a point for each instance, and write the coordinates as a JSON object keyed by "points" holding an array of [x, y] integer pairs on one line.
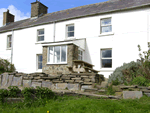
{"points": [[104, 34]]}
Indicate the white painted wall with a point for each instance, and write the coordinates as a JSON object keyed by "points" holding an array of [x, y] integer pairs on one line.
{"points": [[130, 28]]}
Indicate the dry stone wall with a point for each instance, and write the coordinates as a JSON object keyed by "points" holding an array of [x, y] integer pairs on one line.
{"points": [[73, 81]]}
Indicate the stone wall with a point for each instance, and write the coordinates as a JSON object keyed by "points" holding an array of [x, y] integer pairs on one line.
{"points": [[74, 81], [72, 54]]}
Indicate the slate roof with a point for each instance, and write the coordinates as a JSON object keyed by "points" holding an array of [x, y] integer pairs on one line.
{"points": [[98, 8]]}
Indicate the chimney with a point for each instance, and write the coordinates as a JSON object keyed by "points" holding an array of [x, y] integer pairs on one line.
{"points": [[37, 8], [7, 17]]}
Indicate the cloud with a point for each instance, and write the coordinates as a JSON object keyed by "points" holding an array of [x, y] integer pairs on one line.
{"points": [[13, 10]]}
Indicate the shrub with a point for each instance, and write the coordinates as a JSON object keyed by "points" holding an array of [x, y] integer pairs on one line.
{"points": [[13, 91], [6, 66], [141, 81], [125, 73], [110, 90], [28, 93], [44, 92], [3, 93]]}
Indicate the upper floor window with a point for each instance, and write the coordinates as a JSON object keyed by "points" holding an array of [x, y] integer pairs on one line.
{"points": [[40, 35], [106, 25], [70, 30], [57, 54], [9, 41], [80, 55], [106, 58]]}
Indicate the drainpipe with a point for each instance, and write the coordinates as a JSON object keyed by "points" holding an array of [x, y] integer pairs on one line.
{"points": [[12, 46], [54, 32]]}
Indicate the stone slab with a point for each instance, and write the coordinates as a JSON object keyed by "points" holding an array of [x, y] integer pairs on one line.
{"points": [[17, 81], [73, 86], [26, 83], [69, 81], [35, 84], [47, 84], [148, 94], [5, 79], [132, 94], [1, 80], [87, 80], [61, 85], [10, 79], [83, 87]]}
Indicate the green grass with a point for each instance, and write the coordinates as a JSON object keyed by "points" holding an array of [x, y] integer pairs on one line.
{"points": [[74, 104]]}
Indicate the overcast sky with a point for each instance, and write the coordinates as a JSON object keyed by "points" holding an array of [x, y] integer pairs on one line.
{"points": [[22, 8]]}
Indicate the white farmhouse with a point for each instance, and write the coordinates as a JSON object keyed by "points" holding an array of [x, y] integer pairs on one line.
{"points": [[105, 34]]}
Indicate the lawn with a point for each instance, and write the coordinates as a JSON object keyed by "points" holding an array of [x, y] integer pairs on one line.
{"points": [[75, 104]]}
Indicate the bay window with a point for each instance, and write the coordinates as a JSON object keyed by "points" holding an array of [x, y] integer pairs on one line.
{"points": [[57, 54]]}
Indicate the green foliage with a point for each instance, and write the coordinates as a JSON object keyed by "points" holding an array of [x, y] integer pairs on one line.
{"points": [[125, 73], [141, 81], [110, 90], [6, 66], [43, 92], [27, 93], [13, 91], [3, 93]]}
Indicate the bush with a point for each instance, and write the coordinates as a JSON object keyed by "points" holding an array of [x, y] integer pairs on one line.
{"points": [[110, 90], [13, 91], [141, 81], [6, 66], [3, 93], [125, 73], [44, 92]]}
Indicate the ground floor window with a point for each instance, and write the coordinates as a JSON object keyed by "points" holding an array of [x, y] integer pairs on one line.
{"points": [[80, 54], [106, 58], [39, 61], [57, 54]]}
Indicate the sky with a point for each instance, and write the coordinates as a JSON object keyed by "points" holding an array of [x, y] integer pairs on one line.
{"points": [[22, 8]]}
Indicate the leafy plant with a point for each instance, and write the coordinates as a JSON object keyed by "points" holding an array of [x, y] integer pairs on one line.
{"points": [[141, 81], [3, 93], [28, 93], [110, 90], [43, 92], [13, 91]]}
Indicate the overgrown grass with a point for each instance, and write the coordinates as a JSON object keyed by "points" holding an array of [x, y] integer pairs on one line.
{"points": [[75, 104]]}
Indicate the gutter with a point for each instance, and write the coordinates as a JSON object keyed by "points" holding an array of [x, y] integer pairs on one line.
{"points": [[12, 46], [79, 17], [54, 32]]}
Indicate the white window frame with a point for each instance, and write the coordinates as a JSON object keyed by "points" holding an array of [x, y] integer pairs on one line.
{"points": [[71, 31], [106, 58], [79, 54], [37, 56], [9, 41], [53, 55], [40, 35], [105, 25]]}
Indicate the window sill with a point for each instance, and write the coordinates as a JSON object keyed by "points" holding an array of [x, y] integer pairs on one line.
{"points": [[70, 38], [39, 70], [106, 34], [39, 42], [8, 49], [106, 70], [56, 63]]}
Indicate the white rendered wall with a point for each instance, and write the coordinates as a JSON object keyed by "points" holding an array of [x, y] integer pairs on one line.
{"points": [[129, 29]]}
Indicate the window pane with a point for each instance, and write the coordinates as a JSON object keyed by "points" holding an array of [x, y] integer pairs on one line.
{"points": [[39, 65], [106, 21], [57, 54], [70, 28], [39, 58], [106, 29], [79, 58], [50, 57], [106, 53], [40, 38], [70, 34], [106, 62], [41, 32], [9, 44], [63, 53], [9, 38]]}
